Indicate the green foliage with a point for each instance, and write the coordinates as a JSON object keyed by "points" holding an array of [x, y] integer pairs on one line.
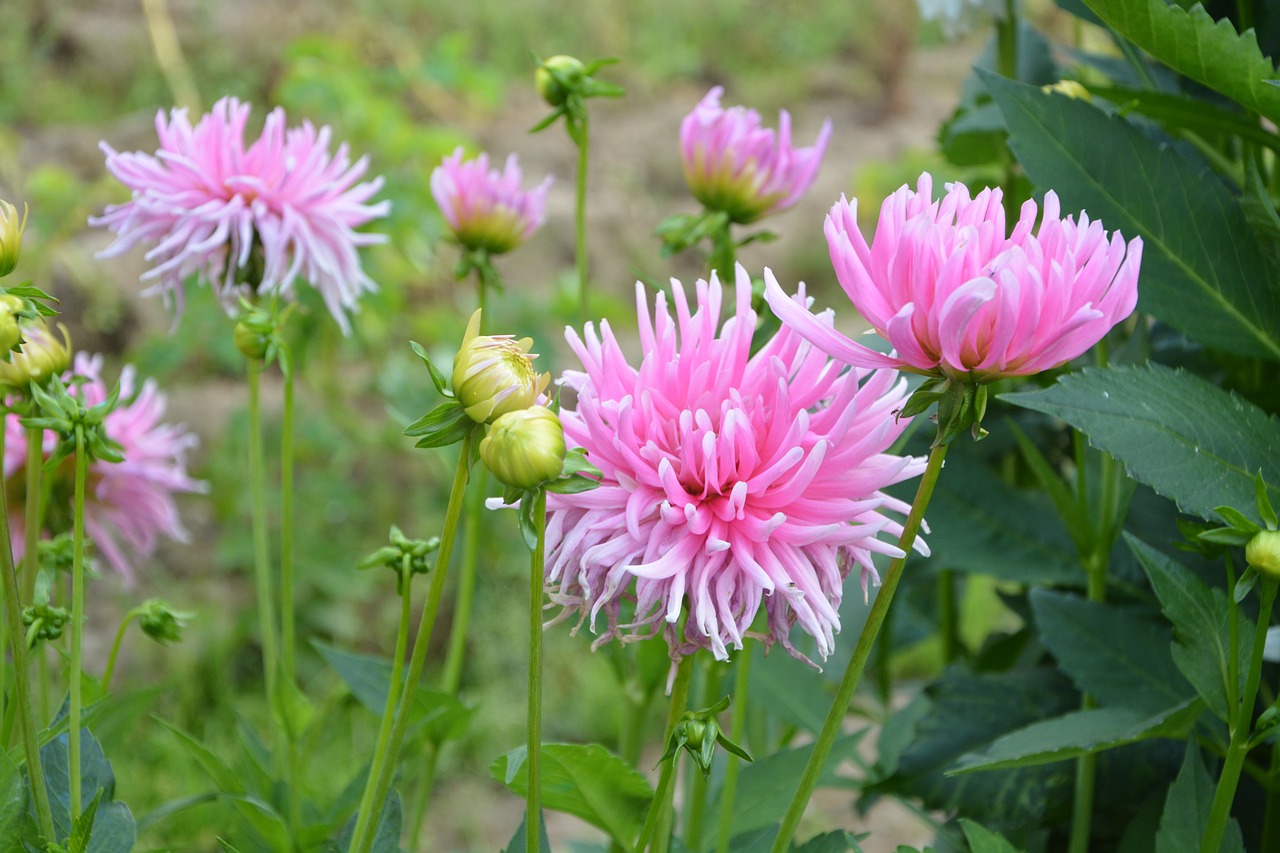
{"points": [[1186, 811], [113, 829]]}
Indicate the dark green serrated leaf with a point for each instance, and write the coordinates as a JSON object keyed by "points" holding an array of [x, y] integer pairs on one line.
{"points": [[114, 830], [1120, 655], [983, 840], [1079, 733], [1186, 811], [1189, 440], [587, 781], [1202, 649], [1203, 271], [1192, 43], [446, 424], [837, 841], [13, 803]]}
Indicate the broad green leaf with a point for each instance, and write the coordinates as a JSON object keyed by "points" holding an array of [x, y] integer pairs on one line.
{"points": [[983, 840], [1079, 733], [796, 694], [765, 787], [1203, 271], [13, 803], [1189, 440], [838, 841], [439, 715], [113, 827], [1192, 43], [1186, 811], [519, 842], [587, 781], [1201, 649], [1118, 654]]}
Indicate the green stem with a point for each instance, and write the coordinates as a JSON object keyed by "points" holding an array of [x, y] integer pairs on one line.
{"points": [[947, 618], [1087, 765], [77, 627], [723, 252], [32, 515], [384, 761], [737, 725], [866, 640], [21, 678], [288, 610], [533, 757], [580, 222], [364, 815], [696, 780], [452, 677], [662, 797], [261, 557], [1238, 749], [1007, 41], [115, 649]]}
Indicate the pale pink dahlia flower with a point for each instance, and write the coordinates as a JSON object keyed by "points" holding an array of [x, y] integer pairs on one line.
{"points": [[730, 480], [955, 297], [486, 209], [128, 504], [258, 216], [735, 165]]}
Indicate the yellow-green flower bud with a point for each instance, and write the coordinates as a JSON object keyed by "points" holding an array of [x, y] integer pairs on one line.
{"points": [[1263, 552], [557, 77], [251, 342], [494, 375], [525, 448], [11, 228], [11, 309], [42, 355]]}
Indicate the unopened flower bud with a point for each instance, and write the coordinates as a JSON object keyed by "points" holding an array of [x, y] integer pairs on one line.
{"points": [[250, 342], [160, 623], [11, 228], [1263, 552], [11, 309], [557, 77], [494, 375], [42, 355], [525, 448]]}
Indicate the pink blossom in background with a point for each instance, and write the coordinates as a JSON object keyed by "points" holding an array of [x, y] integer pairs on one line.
{"points": [[735, 165], [206, 204], [731, 481], [128, 504], [486, 209], [955, 297]]}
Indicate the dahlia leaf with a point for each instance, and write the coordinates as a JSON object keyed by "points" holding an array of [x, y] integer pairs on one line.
{"points": [[836, 841], [1079, 733], [13, 804], [438, 379], [1203, 269], [1188, 440], [983, 840], [1118, 654], [446, 424], [1186, 811], [1191, 42], [586, 781], [519, 841], [1199, 613], [114, 830]]}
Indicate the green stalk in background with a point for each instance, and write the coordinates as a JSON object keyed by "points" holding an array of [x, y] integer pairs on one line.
{"points": [[737, 728], [77, 627], [261, 555], [533, 756], [662, 796]]}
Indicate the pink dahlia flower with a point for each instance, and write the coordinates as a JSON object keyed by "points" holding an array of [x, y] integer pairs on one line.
{"points": [[955, 297], [128, 504], [734, 165], [730, 480], [486, 209], [260, 215]]}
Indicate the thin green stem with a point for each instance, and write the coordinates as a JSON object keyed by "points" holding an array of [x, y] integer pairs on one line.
{"points": [[261, 557], [662, 797], [77, 626], [115, 649], [737, 726], [1007, 41], [365, 814], [723, 252], [1087, 765], [948, 623], [288, 604], [862, 651], [679, 702], [696, 781], [32, 515], [580, 221], [384, 762], [1238, 748], [533, 757], [21, 678]]}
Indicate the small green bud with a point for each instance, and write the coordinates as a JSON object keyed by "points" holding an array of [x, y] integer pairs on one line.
{"points": [[558, 77], [525, 448], [44, 622], [42, 355], [493, 374], [252, 335], [160, 623], [11, 310], [1263, 553], [11, 228]]}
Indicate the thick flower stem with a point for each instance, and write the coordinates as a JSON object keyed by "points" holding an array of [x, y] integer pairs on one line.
{"points": [[737, 727], [261, 556], [1238, 748], [662, 797], [21, 680], [580, 221], [696, 781], [77, 627], [866, 640], [363, 816], [1087, 765], [384, 761], [288, 605], [533, 757], [723, 252]]}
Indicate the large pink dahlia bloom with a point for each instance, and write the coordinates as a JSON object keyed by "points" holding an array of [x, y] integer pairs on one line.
{"points": [[128, 504], [955, 297], [735, 165], [231, 214], [487, 209], [730, 480]]}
